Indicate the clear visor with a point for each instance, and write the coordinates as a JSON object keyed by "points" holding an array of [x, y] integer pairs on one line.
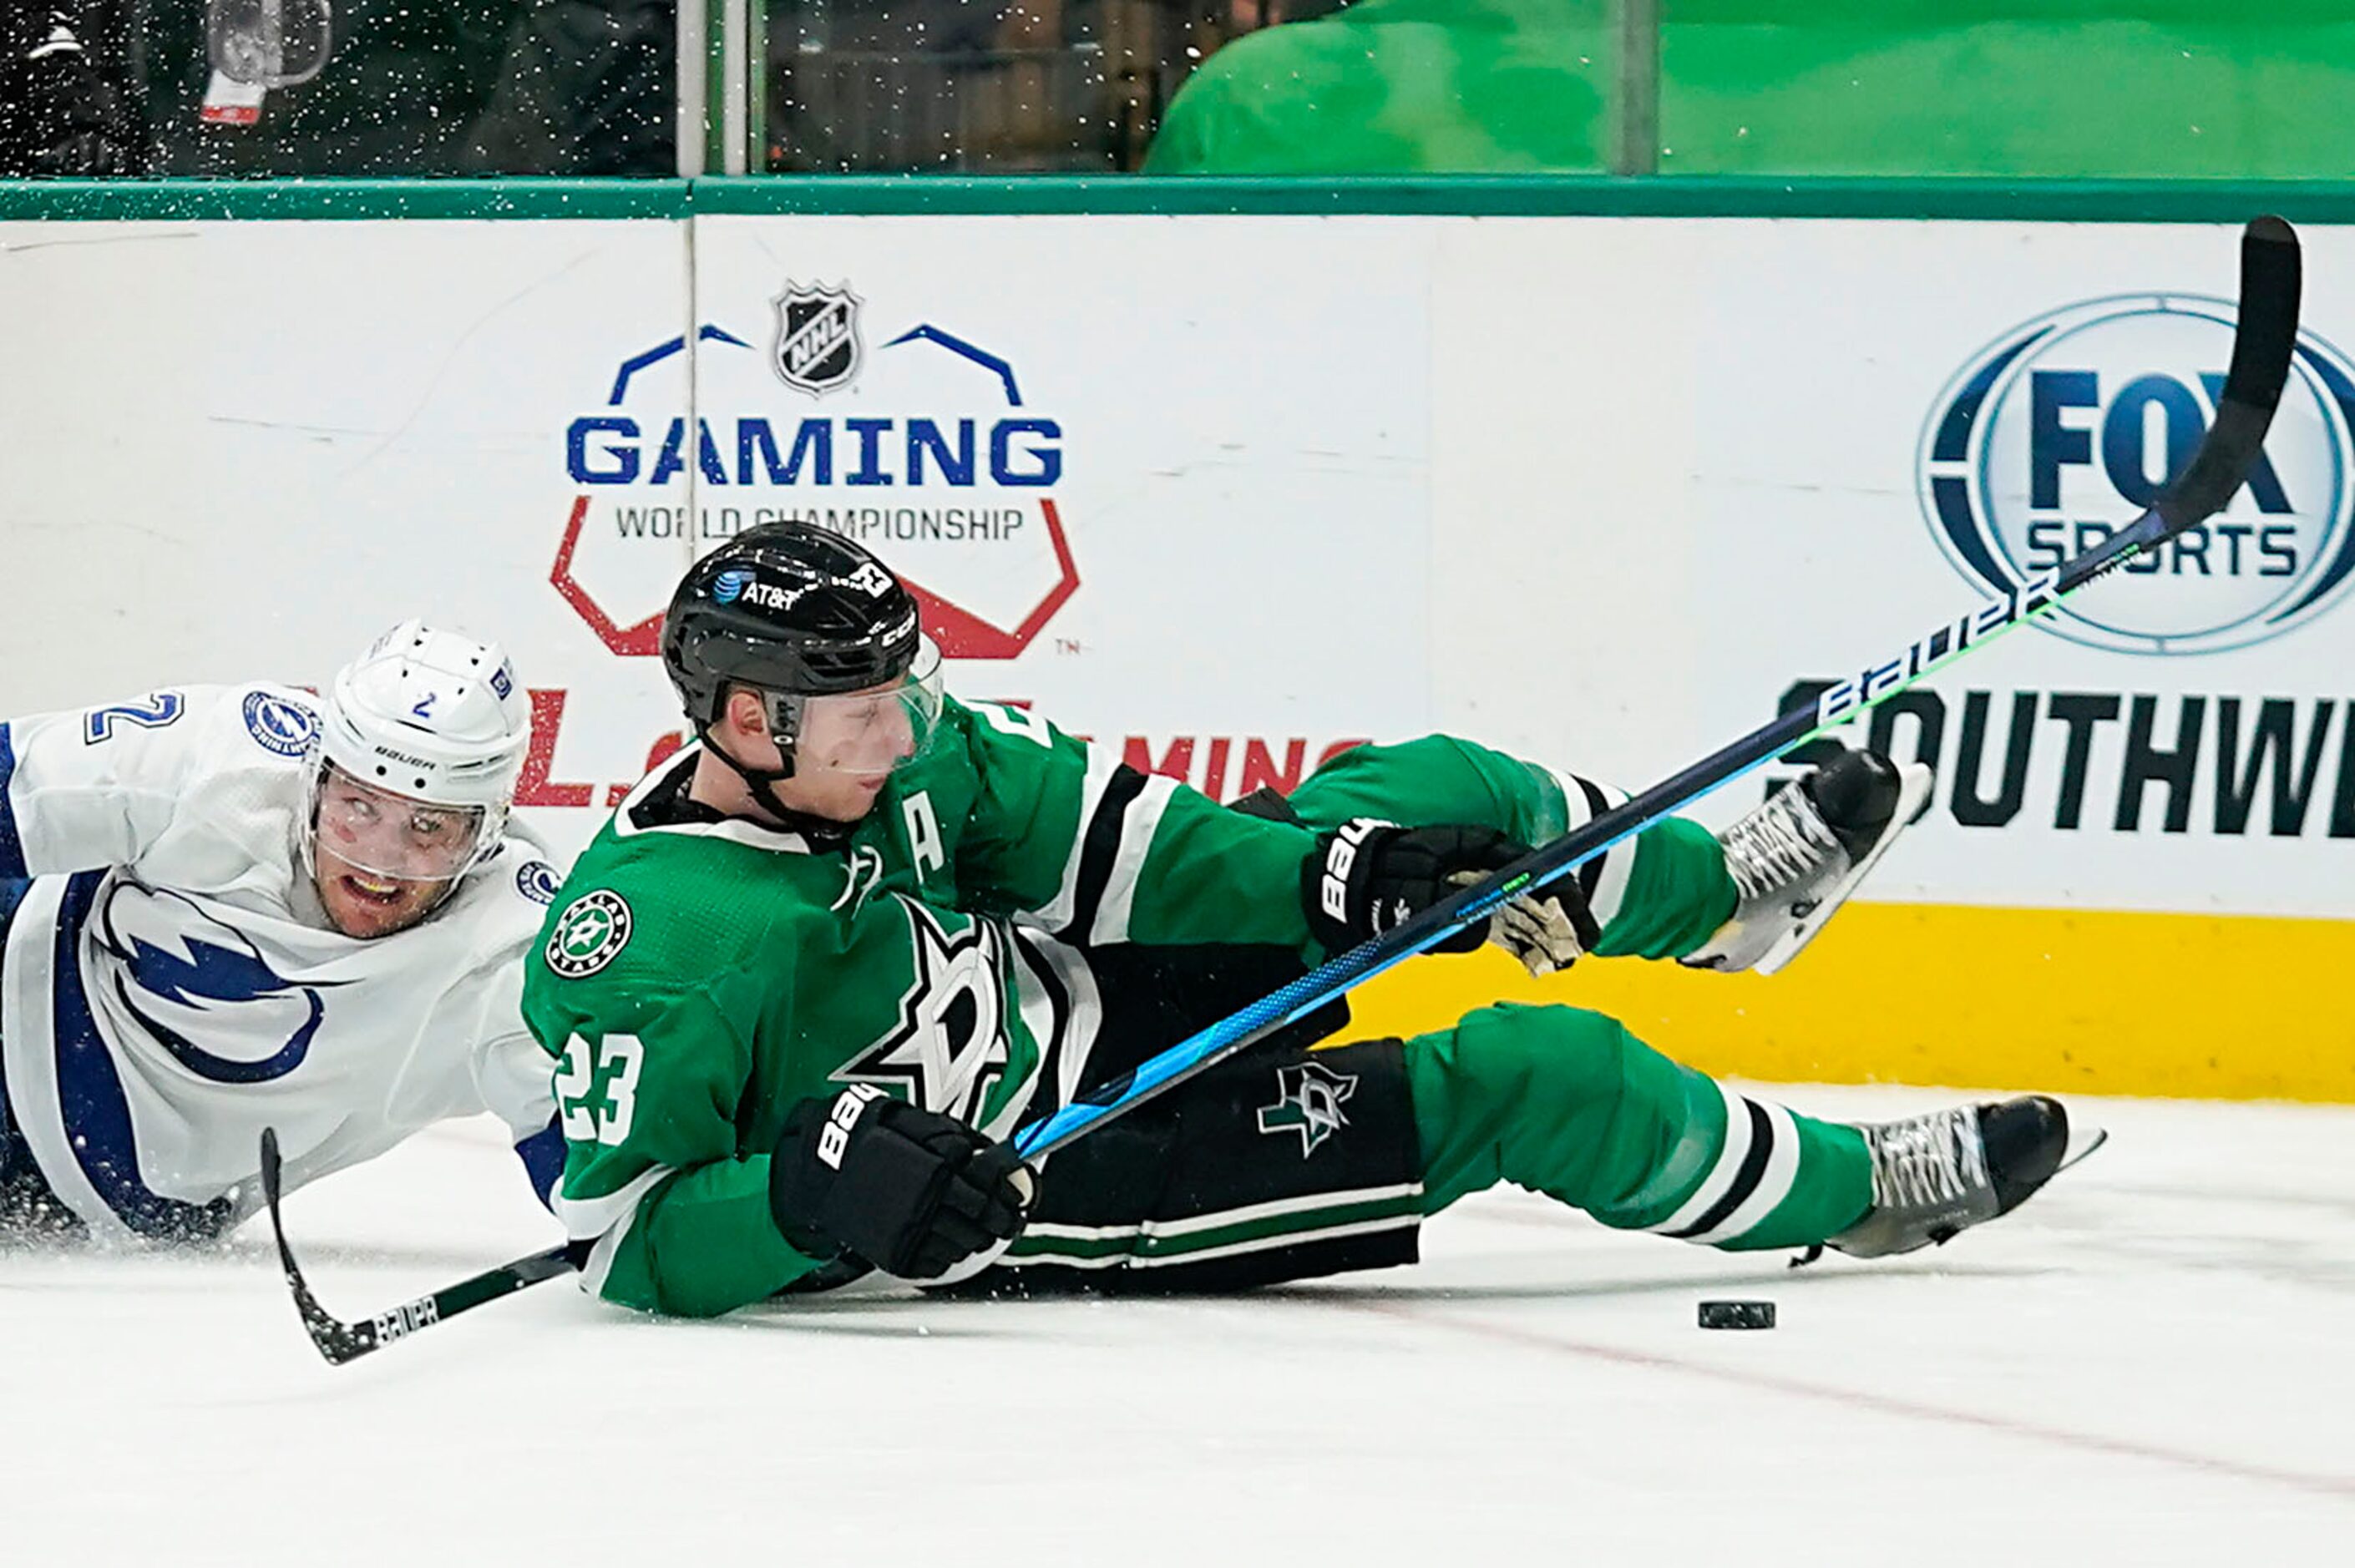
{"points": [[874, 731], [379, 834]]}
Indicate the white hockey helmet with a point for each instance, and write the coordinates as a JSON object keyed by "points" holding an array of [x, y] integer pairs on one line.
{"points": [[433, 717]]}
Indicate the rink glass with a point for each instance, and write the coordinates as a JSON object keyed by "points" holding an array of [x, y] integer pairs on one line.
{"points": [[1400, 88]]}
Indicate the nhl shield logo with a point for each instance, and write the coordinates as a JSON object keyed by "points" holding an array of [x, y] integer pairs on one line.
{"points": [[817, 346]]}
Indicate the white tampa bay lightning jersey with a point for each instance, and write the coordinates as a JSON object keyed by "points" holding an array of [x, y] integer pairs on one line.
{"points": [[172, 985]]}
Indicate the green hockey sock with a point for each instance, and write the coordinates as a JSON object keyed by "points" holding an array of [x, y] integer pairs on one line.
{"points": [[1567, 1103]]}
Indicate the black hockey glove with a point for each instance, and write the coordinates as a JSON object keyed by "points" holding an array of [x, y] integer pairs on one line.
{"points": [[1367, 878], [911, 1190]]}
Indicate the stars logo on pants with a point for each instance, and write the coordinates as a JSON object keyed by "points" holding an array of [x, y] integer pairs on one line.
{"points": [[1309, 1101]]}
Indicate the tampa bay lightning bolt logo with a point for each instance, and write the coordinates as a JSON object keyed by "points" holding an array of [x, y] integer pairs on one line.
{"points": [[728, 586], [537, 880], [2067, 427], [278, 724], [181, 972]]}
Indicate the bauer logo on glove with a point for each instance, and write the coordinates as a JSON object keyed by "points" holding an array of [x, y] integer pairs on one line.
{"points": [[1369, 877]]}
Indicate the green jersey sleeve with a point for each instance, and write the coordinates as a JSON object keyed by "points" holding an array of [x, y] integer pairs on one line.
{"points": [[1660, 896], [1065, 836], [650, 1073]]}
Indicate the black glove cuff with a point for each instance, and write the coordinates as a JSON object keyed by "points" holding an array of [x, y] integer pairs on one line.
{"points": [[1334, 884]]}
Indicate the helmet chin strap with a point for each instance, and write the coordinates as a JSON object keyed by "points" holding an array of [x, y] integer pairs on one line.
{"points": [[762, 783]]}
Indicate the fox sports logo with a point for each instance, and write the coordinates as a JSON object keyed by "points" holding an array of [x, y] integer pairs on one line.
{"points": [[2066, 428]]}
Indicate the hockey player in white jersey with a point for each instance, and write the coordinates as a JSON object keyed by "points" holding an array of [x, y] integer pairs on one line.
{"points": [[232, 908]]}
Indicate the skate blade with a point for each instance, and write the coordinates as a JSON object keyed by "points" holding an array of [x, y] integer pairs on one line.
{"points": [[2084, 1138]]}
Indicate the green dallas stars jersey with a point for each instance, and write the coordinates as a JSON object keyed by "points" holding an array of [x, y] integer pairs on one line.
{"points": [[698, 978]]}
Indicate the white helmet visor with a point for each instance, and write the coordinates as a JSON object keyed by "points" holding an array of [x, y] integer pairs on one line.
{"points": [[870, 732], [393, 837]]}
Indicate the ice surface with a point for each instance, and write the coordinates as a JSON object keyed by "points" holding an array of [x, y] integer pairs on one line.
{"points": [[2152, 1363]]}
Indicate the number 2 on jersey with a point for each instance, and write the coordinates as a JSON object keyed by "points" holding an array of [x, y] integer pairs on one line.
{"points": [[157, 711], [590, 1116]]}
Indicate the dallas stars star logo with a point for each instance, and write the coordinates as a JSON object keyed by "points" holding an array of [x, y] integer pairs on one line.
{"points": [[591, 930], [1309, 1101], [948, 1049]]}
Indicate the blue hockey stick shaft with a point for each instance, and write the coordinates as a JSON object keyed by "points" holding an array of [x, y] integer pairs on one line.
{"points": [[2262, 344]]}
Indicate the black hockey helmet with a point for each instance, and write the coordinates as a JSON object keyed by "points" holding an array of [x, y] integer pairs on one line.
{"points": [[796, 612], [787, 607]]}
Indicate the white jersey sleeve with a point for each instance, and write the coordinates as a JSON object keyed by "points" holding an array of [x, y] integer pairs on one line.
{"points": [[512, 1075], [170, 985], [92, 787]]}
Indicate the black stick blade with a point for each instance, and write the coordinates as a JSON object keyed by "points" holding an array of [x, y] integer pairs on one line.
{"points": [[340, 1341], [2271, 281], [337, 1340]]}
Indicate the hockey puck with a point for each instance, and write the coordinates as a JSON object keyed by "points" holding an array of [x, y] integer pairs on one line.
{"points": [[1737, 1314]]}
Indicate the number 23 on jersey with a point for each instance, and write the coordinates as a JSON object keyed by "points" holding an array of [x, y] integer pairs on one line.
{"points": [[597, 1087]]}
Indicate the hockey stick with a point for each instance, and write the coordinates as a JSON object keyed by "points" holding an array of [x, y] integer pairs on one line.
{"points": [[2262, 344], [340, 1341]]}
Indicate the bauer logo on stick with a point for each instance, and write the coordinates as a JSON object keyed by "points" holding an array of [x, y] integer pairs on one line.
{"points": [[2065, 427], [817, 346]]}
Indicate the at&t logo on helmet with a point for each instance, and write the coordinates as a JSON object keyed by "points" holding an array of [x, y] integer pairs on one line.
{"points": [[2067, 427], [734, 588]]}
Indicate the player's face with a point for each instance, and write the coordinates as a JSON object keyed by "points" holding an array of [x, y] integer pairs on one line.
{"points": [[850, 744], [849, 747], [383, 860]]}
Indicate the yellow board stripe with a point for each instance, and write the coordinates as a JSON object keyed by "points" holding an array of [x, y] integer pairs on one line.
{"points": [[2196, 1006]]}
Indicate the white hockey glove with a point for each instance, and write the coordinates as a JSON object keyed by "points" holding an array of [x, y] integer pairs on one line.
{"points": [[1795, 859], [1548, 930]]}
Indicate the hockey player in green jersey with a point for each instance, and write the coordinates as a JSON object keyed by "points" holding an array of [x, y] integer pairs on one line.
{"points": [[821, 964]]}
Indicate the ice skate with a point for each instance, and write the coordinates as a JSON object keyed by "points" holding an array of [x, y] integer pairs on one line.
{"points": [[1938, 1174], [1796, 859]]}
